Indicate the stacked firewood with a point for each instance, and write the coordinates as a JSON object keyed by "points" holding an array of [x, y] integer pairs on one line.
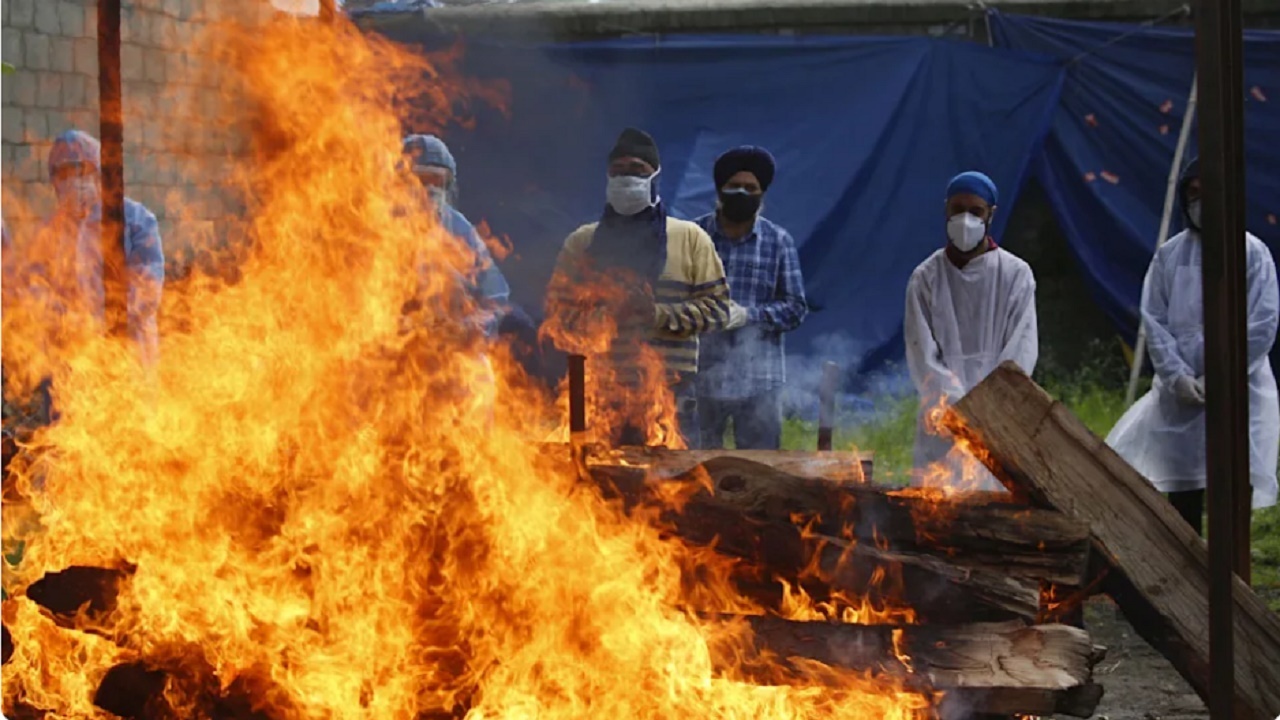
{"points": [[985, 578], [962, 584]]}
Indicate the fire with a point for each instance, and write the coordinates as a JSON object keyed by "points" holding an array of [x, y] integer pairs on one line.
{"points": [[967, 466], [799, 605], [327, 517], [583, 319]]}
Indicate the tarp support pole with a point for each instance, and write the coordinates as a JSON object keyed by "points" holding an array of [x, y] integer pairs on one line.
{"points": [[111, 134], [827, 405], [1170, 195], [1220, 64], [577, 394]]}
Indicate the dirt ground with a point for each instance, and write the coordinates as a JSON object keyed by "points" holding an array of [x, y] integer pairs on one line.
{"points": [[1139, 683]]}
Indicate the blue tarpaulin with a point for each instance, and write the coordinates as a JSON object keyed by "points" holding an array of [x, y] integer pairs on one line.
{"points": [[866, 131], [1106, 160]]}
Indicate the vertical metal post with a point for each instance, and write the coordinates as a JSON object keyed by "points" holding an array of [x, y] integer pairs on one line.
{"points": [[1220, 67], [827, 404], [111, 133], [577, 395]]}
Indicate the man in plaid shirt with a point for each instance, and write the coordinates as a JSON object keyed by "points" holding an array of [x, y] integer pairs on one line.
{"points": [[741, 372]]}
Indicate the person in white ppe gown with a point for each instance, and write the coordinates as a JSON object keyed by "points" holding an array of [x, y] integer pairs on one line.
{"points": [[74, 233], [58, 278], [1163, 435], [970, 306], [431, 162]]}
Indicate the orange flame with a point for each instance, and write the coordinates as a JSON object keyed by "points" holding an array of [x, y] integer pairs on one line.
{"points": [[966, 468], [592, 313], [326, 516]]}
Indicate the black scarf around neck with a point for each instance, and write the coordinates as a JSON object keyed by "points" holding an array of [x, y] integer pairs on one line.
{"points": [[635, 244]]}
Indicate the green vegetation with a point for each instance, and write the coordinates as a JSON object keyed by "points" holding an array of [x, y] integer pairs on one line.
{"points": [[1099, 404]]}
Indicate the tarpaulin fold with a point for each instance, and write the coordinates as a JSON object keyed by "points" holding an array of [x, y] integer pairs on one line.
{"points": [[1106, 160]]}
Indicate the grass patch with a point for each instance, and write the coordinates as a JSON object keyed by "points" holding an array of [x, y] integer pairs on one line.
{"points": [[888, 433], [1266, 555]]}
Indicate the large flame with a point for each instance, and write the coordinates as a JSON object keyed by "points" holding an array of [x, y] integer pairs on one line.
{"points": [[965, 469], [324, 512], [583, 319]]}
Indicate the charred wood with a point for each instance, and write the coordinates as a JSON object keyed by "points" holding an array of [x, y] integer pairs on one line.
{"points": [[67, 592], [133, 691], [968, 531], [936, 589]]}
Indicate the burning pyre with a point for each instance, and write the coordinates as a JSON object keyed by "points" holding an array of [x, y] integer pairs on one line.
{"points": [[312, 508]]}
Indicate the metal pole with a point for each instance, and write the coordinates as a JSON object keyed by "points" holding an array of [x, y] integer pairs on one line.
{"points": [[1220, 66], [827, 404], [111, 133], [1170, 194], [577, 395]]}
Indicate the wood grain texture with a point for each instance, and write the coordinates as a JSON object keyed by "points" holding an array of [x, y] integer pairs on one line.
{"points": [[1163, 580], [977, 533], [935, 587], [988, 668]]}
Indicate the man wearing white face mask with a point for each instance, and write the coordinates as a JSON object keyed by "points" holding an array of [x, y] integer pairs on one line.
{"points": [[71, 243], [970, 307], [656, 280], [1163, 435]]}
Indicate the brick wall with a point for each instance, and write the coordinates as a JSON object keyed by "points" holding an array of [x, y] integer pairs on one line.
{"points": [[177, 137]]}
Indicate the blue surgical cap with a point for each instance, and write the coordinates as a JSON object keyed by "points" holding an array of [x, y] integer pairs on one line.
{"points": [[430, 150], [974, 183], [74, 147]]}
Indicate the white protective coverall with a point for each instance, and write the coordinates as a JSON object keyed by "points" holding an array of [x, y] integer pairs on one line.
{"points": [[1164, 438], [960, 324]]}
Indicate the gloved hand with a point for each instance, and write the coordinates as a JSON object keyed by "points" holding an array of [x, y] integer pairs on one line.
{"points": [[1188, 390], [737, 316]]}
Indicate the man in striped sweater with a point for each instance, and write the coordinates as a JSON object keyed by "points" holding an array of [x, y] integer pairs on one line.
{"points": [[634, 291]]}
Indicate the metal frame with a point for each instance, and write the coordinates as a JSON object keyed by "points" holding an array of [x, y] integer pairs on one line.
{"points": [[1220, 64], [111, 134]]}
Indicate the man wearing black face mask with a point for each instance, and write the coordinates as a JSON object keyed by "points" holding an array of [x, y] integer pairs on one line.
{"points": [[741, 372]]}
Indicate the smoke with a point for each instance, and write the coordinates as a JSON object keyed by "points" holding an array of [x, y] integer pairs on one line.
{"points": [[801, 395]]}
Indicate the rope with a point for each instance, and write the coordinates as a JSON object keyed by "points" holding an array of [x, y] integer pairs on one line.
{"points": [[1181, 10]]}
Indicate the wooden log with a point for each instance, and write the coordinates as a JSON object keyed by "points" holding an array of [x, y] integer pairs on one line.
{"points": [[79, 588], [936, 589], [985, 668], [133, 691], [838, 466], [1160, 574], [1015, 540]]}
